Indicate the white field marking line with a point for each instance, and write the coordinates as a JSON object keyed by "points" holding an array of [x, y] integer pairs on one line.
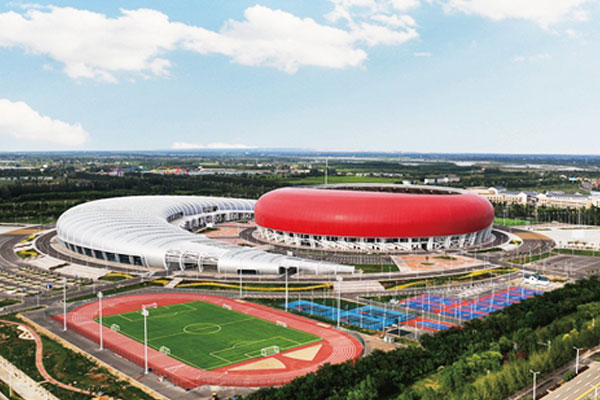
{"points": [[186, 362], [163, 315], [256, 342], [187, 333], [175, 356], [222, 359], [136, 313], [124, 317], [164, 336], [250, 356], [220, 326], [212, 325]]}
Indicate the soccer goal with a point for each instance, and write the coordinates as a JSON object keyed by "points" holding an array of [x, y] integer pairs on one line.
{"points": [[151, 305], [269, 351], [165, 350], [115, 327], [227, 306], [281, 323]]}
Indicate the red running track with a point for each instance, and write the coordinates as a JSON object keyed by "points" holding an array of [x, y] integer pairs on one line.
{"points": [[336, 346]]}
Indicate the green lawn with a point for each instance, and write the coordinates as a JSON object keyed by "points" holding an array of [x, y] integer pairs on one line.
{"points": [[374, 268], [510, 221], [318, 180], [208, 336], [591, 253]]}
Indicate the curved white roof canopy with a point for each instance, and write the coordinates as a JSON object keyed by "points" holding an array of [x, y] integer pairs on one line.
{"points": [[151, 231]]}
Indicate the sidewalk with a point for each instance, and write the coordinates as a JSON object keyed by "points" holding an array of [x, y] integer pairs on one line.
{"points": [[22, 384]]}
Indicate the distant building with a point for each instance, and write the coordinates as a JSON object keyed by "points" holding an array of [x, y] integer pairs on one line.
{"points": [[565, 200], [500, 195], [446, 179]]}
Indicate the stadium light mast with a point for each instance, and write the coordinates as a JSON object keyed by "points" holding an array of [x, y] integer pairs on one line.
{"points": [[339, 299], [577, 360], [326, 168], [534, 380], [287, 293], [64, 304], [145, 313], [241, 290], [10, 382], [100, 295]]}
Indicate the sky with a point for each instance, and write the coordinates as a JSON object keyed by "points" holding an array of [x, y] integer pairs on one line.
{"points": [[450, 76]]}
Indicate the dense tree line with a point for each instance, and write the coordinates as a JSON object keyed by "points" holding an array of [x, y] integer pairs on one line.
{"points": [[43, 200], [583, 216], [464, 357]]}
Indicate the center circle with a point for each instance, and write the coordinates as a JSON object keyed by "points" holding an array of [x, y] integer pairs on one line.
{"points": [[201, 328]]}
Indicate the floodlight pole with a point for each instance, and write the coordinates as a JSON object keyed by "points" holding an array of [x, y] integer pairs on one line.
{"points": [[64, 304], [339, 300], [577, 360], [10, 384], [534, 381], [286, 290], [145, 314], [100, 295], [241, 291]]}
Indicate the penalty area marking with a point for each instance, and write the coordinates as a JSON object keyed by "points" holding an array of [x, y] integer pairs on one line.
{"points": [[202, 328]]}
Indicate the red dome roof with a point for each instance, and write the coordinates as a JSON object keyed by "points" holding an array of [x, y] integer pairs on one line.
{"points": [[352, 213]]}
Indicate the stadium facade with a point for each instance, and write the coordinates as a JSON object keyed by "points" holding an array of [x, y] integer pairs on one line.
{"points": [[374, 218], [157, 232]]}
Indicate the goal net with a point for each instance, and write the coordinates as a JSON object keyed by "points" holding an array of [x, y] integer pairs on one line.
{"points": [[115, 327], [269, 351], [281, 323], [165, 350], [227, 306]]}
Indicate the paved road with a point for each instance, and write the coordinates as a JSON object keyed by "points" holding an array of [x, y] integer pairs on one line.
{"points": [[580, 387], [575, 266]]}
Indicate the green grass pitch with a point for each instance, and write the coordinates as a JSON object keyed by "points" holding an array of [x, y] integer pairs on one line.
{"points": [[206, 335]]}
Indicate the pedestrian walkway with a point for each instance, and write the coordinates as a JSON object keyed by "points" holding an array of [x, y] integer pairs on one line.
{"points": [[173, 283], [357, 286], [22, 384]]}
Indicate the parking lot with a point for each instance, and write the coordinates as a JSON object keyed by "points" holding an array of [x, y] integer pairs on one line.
{"points": [[571, 265]]}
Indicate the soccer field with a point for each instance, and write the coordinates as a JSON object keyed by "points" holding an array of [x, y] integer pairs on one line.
{"points": [[205, 335]]}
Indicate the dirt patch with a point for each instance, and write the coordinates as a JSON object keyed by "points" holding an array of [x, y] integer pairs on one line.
{"points": [[268, 363], [306, 354]]}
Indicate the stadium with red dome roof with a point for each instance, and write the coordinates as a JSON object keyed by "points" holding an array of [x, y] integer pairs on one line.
{"points": [[374, 218]]}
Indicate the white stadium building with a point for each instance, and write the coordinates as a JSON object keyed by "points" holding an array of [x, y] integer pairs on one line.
{"points": [[156, 232]]}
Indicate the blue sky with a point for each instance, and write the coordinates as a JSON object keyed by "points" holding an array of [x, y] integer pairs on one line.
{"points": [[511, 76]]}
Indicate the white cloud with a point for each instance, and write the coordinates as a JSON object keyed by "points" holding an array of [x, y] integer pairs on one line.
{"points": [[90, 45], [533, 58], [20, 121], [572, 33], [374, 35], [542, 12], [279, 39], [405, 5], [422, 54], [376, 22], [209, 146], [395, 20]]}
